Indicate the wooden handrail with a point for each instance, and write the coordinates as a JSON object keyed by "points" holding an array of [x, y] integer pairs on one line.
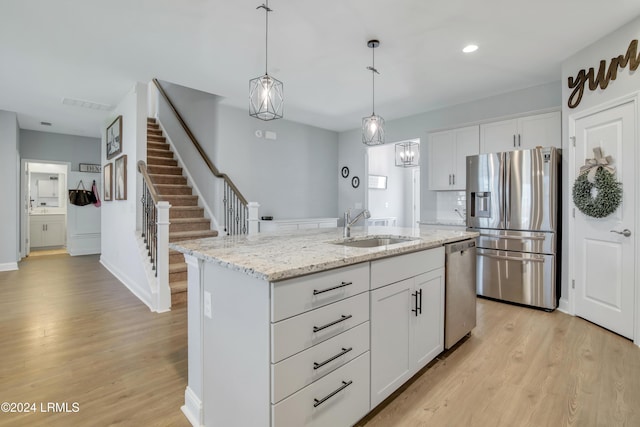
{"points": [[142, 168], [195, 142]]}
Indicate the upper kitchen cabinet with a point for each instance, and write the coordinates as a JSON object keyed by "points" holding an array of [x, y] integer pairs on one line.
{"points": [[448, 151], [522, 133]]}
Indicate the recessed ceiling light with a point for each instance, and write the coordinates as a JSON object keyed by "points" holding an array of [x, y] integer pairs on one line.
{"points": [[470, 48], [45, 123]]}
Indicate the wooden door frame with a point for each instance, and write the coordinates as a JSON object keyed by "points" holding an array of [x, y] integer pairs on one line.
{"points": [[571, 174]]}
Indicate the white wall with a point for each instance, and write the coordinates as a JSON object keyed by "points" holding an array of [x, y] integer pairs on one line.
{"points": [[59, 147], [9, 179], [626, 83], [395, 201], [294, 176], [120, 250], [352, 151]]}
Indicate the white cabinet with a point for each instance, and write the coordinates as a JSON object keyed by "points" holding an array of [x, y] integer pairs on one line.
{"points": [[407, 320], [522, 133], [47, 230], [448, 151]]}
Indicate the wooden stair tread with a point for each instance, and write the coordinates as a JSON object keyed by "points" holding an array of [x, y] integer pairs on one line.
{"points": [[188, 220], [192, 234], [177, 267], [177, 287]]}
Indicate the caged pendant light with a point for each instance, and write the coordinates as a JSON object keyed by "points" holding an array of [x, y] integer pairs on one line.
{"points": [[266, 92], [373, 126], [408, 154]]}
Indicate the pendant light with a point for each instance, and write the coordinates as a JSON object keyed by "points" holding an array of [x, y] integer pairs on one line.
{"points": [[266, 92], [373, 126], [407, 154]]}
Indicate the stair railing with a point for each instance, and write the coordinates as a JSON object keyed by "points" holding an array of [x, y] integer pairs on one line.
{"points": [[236, 207], [155, 233]]}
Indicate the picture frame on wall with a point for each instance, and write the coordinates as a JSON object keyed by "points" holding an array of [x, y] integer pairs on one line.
{"points": [[108, 182], [120, 177], [114, 138]]}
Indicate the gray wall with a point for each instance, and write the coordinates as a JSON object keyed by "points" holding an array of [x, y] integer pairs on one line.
{"points": [[352, 151], [294, 176], [9, 179], [59, 147]]}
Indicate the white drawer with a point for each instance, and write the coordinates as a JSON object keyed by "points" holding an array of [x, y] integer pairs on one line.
{"points": [[343, 408], [296, 372], [391, 270], [298, 333], [295, 296]]}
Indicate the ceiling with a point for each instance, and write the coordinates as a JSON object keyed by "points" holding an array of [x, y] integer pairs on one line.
{"points": [[96, 50]]}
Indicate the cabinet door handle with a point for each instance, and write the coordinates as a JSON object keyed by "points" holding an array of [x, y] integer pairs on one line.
{"points": [[518, 140], [317, 292], [335, 322], [331, 359], [318, 402], [415, 310], [514, 140], [449, 179], [420, 292], [454, 179]]}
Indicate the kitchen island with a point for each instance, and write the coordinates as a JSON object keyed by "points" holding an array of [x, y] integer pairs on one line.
{"points": [[308, 328]]}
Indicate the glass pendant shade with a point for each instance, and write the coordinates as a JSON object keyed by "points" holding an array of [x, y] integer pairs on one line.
{"points": [[266, 98], [407, 154], [373, 130]]}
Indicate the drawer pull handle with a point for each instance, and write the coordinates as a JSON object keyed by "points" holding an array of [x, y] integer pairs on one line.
{"points": [[333, 393], [341, 319], [331, 359], [317, 292]]}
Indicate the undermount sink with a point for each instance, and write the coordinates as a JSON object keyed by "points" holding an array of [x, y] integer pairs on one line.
{"points": [[374, 242]]}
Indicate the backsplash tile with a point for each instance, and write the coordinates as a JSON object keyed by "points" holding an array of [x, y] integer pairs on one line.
{"points": [[447, 202]]}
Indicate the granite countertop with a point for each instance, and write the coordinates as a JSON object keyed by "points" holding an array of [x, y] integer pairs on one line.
{"points": [[283, 255]]}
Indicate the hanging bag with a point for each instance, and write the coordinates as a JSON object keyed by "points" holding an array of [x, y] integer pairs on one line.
{"points": [[81, 197]]}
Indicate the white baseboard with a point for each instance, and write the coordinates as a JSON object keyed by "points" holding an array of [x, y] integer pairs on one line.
{"points": [[143, 294], [9, 266], [563, 306], [192, 408]]}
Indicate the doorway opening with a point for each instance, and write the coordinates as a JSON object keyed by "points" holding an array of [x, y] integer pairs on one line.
{"points": [[393, 193], [44, 213]]}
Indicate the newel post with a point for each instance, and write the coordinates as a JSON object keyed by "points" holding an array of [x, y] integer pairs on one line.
{"points": [[162, 262], [253, 217]]}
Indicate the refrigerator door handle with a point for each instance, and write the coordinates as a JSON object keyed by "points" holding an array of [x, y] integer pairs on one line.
{"points": [[507, 190], [493, 236], [511, 258]]}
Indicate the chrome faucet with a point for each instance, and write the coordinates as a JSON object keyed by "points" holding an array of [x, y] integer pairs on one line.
{"points": [[348, 222]]}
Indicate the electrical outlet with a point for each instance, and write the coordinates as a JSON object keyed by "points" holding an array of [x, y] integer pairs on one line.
{"points": [[207, 304]]}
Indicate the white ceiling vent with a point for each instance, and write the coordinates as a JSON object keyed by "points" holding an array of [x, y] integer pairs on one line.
{"points": [[86, 104]]}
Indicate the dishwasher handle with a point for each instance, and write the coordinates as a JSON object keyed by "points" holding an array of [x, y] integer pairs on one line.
{"points": [[465, 245]]}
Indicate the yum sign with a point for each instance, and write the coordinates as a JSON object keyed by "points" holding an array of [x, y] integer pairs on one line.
{"points": [[604, 75]]}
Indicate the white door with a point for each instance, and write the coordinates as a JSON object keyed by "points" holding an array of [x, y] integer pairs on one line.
{"points": [[604, 259], [428, 326]]}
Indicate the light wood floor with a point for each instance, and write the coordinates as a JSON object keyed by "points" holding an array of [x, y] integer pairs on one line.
{"points": [[70, 333], [524, 367]]}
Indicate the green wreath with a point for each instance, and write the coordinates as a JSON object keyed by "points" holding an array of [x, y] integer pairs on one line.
{"points": [[607, 198]]}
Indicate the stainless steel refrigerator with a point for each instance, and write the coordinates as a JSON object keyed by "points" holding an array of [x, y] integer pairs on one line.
{"points": [[513, 200]]}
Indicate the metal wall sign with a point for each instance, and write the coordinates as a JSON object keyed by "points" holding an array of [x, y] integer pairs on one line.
{"points": [[89, 167], [604, 75]]}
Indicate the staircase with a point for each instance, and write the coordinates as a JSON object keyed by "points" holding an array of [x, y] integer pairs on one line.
{"points": [[186, 217]]}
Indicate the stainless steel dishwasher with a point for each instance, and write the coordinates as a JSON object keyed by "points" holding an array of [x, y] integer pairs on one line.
{"points": [[460, 291]]}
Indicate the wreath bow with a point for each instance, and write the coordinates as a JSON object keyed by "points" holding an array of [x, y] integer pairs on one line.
{"points": [[591, 166]]}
